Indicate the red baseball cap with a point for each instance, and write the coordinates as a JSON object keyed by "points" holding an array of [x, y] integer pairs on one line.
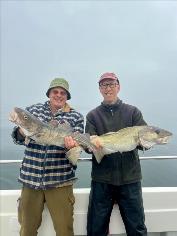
{"points": [[108, 75]]}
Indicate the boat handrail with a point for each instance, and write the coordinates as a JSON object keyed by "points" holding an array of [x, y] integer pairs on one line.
{"points": [[83, 159]]}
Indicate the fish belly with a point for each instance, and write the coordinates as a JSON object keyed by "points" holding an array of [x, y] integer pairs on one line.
{"points": [[123, 145]]}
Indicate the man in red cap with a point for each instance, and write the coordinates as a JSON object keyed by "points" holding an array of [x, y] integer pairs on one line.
{"points": [[118, 177]]}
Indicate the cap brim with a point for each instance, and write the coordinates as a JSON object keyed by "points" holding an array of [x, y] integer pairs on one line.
{"points": [[107, 78], [68, 94]]}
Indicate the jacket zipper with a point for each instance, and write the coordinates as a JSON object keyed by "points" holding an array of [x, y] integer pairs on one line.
{"points": [[112, 113]]}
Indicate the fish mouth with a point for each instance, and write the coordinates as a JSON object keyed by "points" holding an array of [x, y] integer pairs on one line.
{"points": [[163, 140], [13, 116]]}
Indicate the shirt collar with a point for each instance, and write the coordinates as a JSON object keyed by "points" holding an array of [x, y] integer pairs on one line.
{"points": [[112, 106], [66, 108]]}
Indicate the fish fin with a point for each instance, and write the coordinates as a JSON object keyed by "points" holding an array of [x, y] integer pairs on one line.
{"points": [[146, 144], [99, 154], [73, 154], [64, 127], [53, 123], [107, 134]]}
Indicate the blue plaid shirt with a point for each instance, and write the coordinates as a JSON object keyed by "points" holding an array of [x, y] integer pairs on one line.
{"points": [[44, 166]]}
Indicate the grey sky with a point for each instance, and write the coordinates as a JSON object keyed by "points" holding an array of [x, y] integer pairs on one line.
{"points": [[79, 40]]}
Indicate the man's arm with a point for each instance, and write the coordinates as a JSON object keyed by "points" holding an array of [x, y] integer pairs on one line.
{"points": [[138, 118], [90, 126]]}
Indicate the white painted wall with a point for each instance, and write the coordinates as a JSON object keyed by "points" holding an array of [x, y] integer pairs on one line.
{"points": [[160, 209]]}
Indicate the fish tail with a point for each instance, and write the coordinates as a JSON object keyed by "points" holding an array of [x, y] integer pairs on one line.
{"points": [[84, 140], [73, 154]]}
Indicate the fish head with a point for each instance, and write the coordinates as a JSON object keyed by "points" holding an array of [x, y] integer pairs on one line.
{"points": [[163, 136], [25, 120], [151, 135]]}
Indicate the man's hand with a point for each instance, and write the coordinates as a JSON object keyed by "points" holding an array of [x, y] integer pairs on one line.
{"points": [[70, 142], [96, 141]]}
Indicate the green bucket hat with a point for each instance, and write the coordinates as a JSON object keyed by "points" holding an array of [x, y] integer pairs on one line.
{"points": [[59, 82]]}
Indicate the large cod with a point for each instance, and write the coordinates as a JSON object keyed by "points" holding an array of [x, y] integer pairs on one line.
{"points": [[123, 140], [47, 134], [128, 139]]}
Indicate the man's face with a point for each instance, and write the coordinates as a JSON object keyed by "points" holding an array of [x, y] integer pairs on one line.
{"points": [[109, 89], [58, 97]]}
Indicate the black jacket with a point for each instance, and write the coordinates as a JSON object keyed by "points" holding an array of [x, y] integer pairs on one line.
{"points": [[117, 168]]}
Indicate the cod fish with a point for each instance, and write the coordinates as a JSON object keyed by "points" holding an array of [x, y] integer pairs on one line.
{"points": [[46, 134], [126, 140]]}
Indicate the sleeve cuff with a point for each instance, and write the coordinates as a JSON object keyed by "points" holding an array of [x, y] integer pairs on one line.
{"points": [[17, 137]]}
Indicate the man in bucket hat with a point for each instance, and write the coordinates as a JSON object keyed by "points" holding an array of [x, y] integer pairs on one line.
{"points": [[59, 82], [46, 174], [117, 177]]}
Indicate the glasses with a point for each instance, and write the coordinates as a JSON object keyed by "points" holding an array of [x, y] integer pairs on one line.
{"points": [[56, 92], [106, 85]]}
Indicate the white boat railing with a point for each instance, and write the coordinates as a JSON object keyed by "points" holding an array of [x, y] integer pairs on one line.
{"points": [[83, 159]]}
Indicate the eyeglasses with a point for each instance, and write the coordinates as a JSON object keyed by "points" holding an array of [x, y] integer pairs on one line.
{"points": [[105, 85], [56, 92]]}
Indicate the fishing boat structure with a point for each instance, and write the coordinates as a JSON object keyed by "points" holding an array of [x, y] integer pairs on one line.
{"points": [[160, 205]]}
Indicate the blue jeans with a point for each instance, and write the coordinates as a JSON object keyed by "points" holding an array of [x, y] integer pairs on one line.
{"points": [[130, 202]]}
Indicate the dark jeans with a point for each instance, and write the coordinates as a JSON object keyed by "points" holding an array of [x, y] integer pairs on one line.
{"points": [[101, 201]]}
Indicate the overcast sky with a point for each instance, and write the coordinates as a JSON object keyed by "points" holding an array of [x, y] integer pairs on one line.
{"points": [[79, 40]]}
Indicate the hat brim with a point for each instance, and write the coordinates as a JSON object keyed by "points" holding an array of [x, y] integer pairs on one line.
{"points": [[105, 78], [68, 94]]}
